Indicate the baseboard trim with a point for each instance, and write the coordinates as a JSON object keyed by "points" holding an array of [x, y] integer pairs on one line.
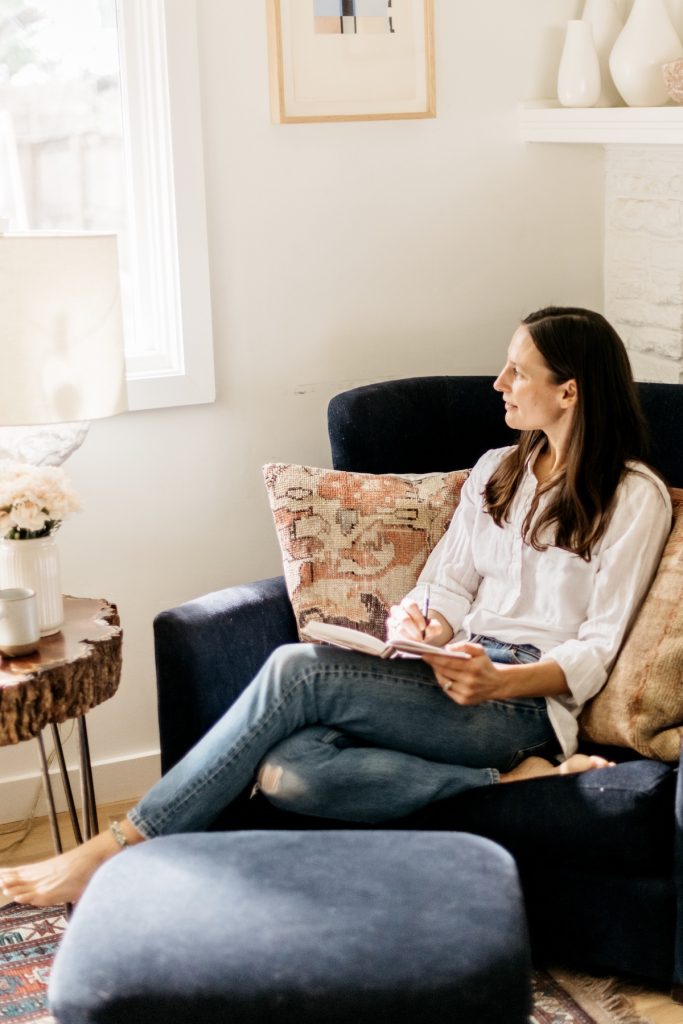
{"points": [[120, 778]]}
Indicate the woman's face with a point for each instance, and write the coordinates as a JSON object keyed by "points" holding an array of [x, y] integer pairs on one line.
{"points": [[533, 401]]}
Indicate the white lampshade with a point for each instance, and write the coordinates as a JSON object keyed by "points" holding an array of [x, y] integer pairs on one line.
{"points": [[61, 334]]}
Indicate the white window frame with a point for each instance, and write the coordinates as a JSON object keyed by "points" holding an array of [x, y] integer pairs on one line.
{"points": [[167, 297]]}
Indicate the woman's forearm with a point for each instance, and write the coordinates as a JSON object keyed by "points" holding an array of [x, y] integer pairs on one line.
{"points": [[540, 679]]}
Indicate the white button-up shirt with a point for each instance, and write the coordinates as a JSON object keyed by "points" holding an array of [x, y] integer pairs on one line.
{"points": [[485, 579]]}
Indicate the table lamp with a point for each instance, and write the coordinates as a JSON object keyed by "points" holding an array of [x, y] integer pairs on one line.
{"points": [[61, 365], [61, 342]]}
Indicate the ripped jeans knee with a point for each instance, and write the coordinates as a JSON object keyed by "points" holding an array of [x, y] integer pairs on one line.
{"points": [[295, 774], [281, 786]]}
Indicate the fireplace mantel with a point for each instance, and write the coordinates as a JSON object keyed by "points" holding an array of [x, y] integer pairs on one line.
{"points": [[547, 121]]}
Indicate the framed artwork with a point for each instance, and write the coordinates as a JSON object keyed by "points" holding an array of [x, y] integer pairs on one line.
{"points": [[351, 60]]}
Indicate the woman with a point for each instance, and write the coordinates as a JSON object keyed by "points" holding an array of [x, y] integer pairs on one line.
{"points": [[552, 548]]}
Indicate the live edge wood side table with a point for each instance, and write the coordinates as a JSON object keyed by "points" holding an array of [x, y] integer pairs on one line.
{"points": [[72, 671]]}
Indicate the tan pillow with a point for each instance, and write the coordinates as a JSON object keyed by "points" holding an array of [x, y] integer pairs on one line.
{"points": [[641, 705], [354, 543]]}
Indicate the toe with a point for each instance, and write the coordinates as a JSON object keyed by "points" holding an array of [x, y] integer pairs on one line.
{"points": [[601, 762]]}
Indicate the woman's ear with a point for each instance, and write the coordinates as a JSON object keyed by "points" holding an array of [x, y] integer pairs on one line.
{"points": [[569, 393]]}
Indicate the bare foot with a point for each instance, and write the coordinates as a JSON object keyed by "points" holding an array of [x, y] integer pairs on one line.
{"points": [[62, 879], [535, 767], [583, 763]]}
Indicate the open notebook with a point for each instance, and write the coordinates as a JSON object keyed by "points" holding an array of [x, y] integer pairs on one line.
{"points": [[355, 640]]}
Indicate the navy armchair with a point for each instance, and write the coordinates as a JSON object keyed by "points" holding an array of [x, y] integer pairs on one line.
{"points": [[600, 855]]}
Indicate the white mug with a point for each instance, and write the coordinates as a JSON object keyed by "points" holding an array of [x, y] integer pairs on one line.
{"points": [[19, 630]]}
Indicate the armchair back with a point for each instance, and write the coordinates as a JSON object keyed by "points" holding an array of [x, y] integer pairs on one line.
{"points": [[427, 424]]}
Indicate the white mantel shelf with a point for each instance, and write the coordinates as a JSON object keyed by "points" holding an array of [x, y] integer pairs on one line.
{"points": [[547, 121]]}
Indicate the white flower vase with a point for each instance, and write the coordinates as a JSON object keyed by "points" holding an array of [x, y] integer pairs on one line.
{"points": [[35, 564], [607, 24], [578, 79], [647, 41]]}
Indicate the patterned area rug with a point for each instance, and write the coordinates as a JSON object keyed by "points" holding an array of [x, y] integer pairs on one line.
{"points": [[564, 998], [29, 938]]}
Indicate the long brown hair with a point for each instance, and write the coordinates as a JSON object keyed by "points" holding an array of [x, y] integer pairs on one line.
{"points": [[608, 429]]}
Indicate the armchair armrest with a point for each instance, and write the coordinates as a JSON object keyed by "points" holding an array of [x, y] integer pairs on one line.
{"points": [[208, 650], [678, 880]]}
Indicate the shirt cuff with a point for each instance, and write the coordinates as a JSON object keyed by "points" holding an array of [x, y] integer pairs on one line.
{"points": [[583, 668]]}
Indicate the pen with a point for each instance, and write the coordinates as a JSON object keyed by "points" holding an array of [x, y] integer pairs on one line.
{"points": [[425, 609]]}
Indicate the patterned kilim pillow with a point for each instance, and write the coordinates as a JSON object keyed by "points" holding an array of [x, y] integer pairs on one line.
{"points": [[354, 543], [641, 706]]}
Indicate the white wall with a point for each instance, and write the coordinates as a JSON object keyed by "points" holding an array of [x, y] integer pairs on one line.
{"points": [[340, 253]]}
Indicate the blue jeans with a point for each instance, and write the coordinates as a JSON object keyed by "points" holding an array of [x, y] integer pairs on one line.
{"points": [[347, 736]]}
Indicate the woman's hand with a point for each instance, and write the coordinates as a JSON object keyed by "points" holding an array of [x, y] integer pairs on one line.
{"points": [[406, 622], [477, 679], [470, 681]]}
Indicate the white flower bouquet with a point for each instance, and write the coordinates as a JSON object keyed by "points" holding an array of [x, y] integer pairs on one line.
{"points": [[33, 500]]}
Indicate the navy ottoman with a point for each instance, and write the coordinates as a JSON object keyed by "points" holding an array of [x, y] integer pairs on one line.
{"points": [[368, 927]]}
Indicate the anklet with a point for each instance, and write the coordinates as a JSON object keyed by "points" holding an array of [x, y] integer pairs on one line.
{"points": [[118, 834]]}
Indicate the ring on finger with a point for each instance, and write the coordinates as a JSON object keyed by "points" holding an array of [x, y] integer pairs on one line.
{"points": [[448, 686]]}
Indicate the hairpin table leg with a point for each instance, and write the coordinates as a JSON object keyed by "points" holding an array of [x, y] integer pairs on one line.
{"points": [[56, 739], [49, 796], [90, 823]]}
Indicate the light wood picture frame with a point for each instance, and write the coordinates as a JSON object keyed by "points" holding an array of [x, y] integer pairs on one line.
{"points": [[351, 60]]}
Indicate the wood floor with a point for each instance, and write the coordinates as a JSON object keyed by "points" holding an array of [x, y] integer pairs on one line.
{"points": [[655, 1007]]}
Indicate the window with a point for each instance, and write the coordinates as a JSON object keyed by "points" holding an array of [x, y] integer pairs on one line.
{"points": [[100, 129]]}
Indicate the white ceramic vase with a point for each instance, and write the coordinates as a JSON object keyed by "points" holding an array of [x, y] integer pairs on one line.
{"points": [[35, 564], [578, 78], [647, 41], [607, 23]]}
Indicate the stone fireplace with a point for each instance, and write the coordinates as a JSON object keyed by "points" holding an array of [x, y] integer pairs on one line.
{"points": [[644, 256]]}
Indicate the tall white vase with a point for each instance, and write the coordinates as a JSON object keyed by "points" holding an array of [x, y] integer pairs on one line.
{"points": [[607, 24], [647, 41], [578, 78], [35, 564]]}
